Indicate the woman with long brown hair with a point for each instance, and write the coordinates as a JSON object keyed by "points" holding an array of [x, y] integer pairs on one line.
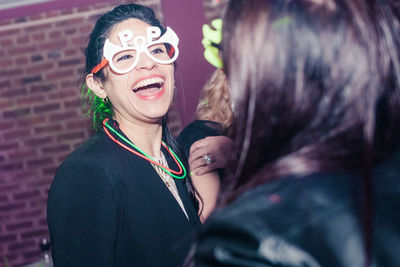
{"points": [[315, 178]]}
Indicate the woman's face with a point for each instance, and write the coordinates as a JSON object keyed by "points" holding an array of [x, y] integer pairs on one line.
{"points": [[144, 94]]}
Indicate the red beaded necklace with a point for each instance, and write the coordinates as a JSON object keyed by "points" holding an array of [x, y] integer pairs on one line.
{"points": [[176, 174]]}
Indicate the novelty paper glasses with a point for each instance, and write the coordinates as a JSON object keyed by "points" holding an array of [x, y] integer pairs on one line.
{"points": [[124, 58]]}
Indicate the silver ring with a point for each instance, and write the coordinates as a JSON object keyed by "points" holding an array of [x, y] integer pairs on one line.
{"points": [[207, 158]]}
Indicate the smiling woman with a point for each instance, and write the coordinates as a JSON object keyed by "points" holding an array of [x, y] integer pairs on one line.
{"points": [[123, 198], [143, 76]]}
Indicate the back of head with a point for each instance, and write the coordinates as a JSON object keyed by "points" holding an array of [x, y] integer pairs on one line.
{"points": [[315, 85], [214, 103]]}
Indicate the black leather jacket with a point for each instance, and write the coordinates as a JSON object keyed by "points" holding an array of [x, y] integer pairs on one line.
{"points": [[306, 221]]}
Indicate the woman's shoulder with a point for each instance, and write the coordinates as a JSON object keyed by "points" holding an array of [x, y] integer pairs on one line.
{"points": [[204, 125], [97, 144], [200, 129], [319, 192], [197, 130], [311, 216], [275, 220], [97, 150], [294, 190], [292, 206], [87, 160], [100, 158]]}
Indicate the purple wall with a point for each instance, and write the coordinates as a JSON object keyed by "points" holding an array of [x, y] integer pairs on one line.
{"points": [[186, 18], [46, 6]]}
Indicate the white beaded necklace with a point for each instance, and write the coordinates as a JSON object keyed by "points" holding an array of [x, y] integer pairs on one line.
{"points": [[168, 180]]}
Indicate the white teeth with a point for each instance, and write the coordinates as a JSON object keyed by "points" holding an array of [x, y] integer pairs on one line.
{"points": [[147, 82]]}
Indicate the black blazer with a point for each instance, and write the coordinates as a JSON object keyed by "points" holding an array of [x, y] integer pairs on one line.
{"points": [[108, 207], [196, 130]]}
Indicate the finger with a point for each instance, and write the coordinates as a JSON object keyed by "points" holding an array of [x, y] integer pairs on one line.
{"points": [[199, 153], [203, 170], [196, 154], [198, 144], [199, 162]]}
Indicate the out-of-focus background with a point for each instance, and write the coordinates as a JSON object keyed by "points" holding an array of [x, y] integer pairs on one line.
{"points": [[42, 46]]}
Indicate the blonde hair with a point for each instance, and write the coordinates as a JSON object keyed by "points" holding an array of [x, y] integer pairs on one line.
{"points": [[215, 103]]}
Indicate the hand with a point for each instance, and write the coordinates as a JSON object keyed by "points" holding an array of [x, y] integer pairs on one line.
{"points": [[217, 147]]}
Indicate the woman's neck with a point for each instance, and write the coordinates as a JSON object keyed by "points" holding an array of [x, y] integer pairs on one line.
{"points": [[146, 136]]}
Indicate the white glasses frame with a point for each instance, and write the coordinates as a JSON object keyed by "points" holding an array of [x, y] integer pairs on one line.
{"points": [[169, 37]]}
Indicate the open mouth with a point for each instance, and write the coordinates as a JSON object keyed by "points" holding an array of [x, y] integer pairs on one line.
{"points": [[150, 85]]}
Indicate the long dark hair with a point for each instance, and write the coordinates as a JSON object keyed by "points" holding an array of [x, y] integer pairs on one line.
{"points": [[315, 85], [316, 89]]}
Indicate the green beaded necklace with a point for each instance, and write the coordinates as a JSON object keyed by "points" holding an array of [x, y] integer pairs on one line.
{"points": [[177, 175]]}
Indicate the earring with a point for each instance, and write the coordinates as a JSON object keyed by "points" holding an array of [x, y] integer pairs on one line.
{"points": [[106, 100]]}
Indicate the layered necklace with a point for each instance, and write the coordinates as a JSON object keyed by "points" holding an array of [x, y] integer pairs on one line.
{"points": [[169, 181], [138, 152]]}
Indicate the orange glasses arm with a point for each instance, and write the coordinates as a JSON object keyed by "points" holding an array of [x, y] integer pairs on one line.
{"points": [[99, 66]]}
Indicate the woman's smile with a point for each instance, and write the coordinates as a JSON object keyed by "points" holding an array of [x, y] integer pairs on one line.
{"points": [[149, 88]]}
